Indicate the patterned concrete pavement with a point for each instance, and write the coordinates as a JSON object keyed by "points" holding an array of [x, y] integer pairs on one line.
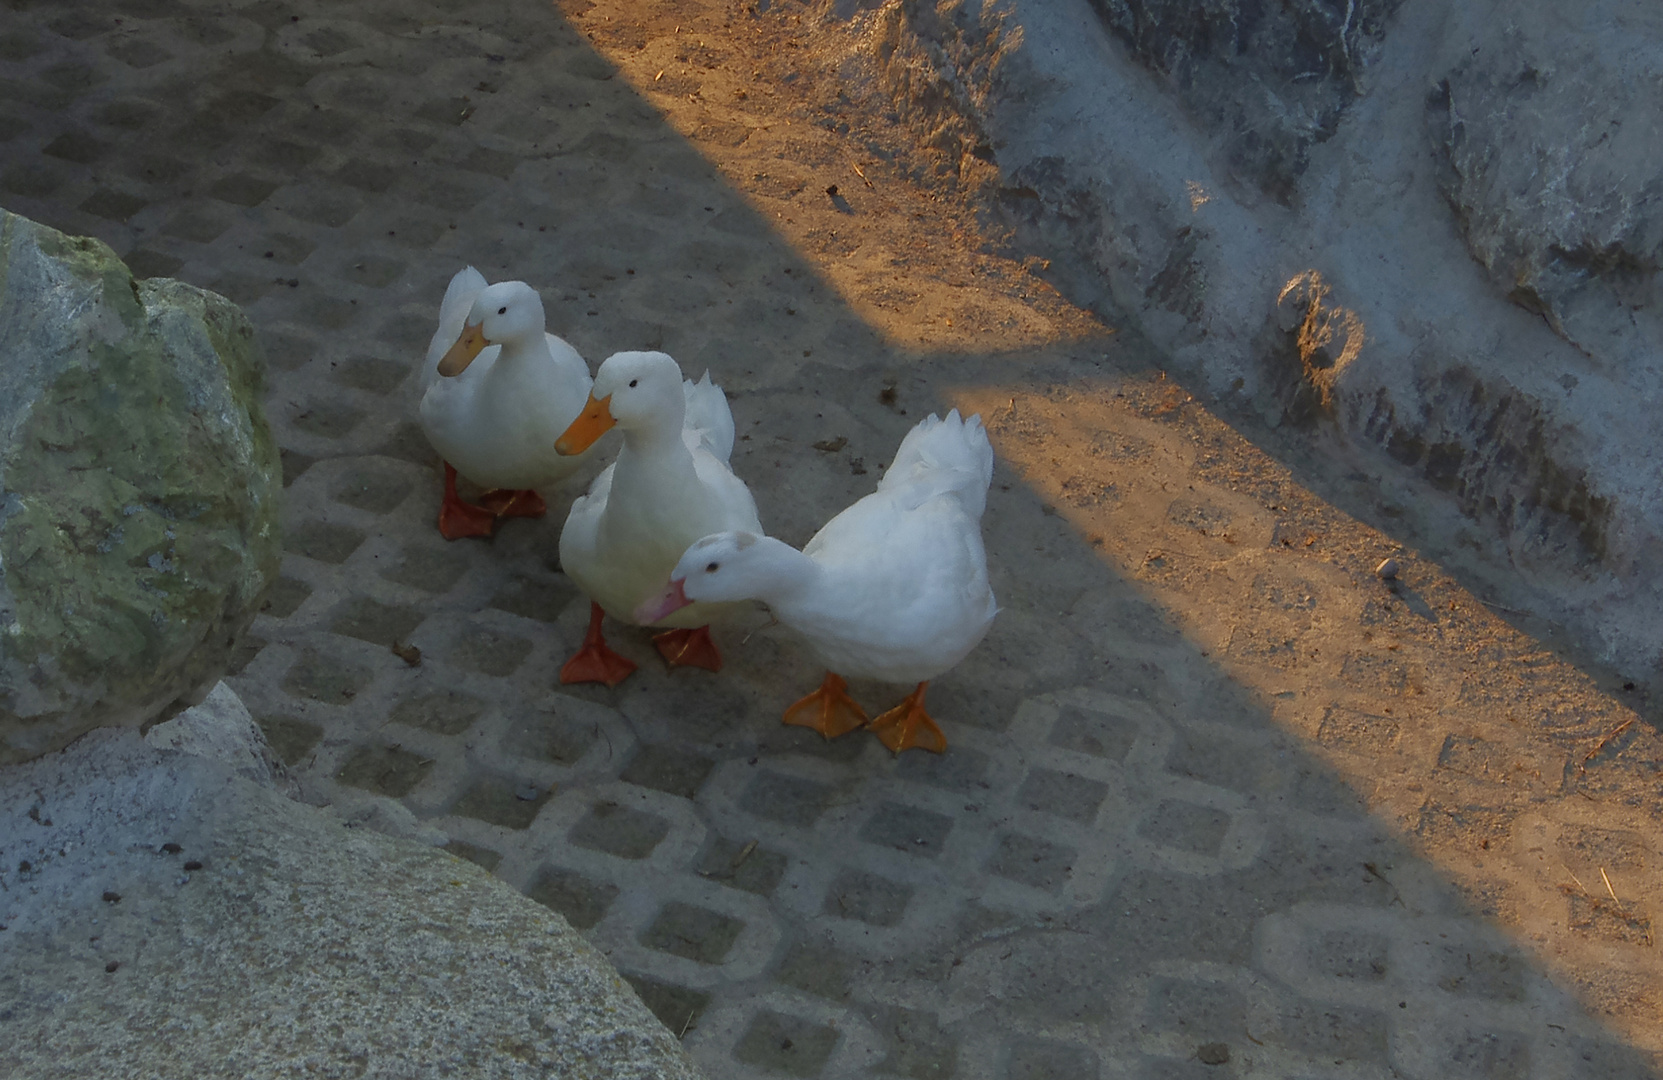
{"points": [[1168, 840]]}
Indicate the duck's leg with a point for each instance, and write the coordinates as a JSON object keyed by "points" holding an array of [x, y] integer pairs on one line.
{"points": [[829, 710], [689, 648], [457, 518], [908, 725], [514, 502], [595, 662]]}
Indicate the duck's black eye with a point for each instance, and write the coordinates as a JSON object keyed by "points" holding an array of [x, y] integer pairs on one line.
{"points": [[502, 311], [712, 568], [632, 382]]}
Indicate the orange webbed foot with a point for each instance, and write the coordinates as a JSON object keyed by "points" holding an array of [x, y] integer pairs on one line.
{"points": [[689, 648], [829, 710], [595, 662], [514, 502], [458, 519], [908, 725]]}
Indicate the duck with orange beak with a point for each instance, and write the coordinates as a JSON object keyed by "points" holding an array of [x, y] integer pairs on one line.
{"points": [[499, 391], [670, 485], [894, 588]]}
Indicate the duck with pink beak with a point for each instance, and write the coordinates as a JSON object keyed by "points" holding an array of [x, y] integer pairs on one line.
{"points": [[894, 588]]}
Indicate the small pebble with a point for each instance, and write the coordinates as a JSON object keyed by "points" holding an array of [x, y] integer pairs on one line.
{"points": [[1387, 570], [172, 848], [112, 965], [1213, 1053], [112, 897], [527, 793], [193, 865]]}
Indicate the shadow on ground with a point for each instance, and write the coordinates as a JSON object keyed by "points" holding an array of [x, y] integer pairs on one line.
{"points": [[1218, 801]]}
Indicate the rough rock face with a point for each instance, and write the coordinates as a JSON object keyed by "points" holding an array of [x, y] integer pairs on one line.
{"points": [[1274, 77], [138, 489], [167, 916], [1554, 150], [1459, 281]]}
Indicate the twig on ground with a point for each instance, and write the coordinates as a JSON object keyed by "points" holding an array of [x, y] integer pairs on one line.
{"points": [[1612, 734]]}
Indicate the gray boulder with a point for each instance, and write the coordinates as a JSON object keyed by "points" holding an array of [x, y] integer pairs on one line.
{"points": [[138, 489], [1272, 79], [1552, 141], [163, 915]]}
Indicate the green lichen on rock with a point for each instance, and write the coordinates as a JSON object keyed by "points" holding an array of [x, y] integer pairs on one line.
{"points": [[138, 489]]}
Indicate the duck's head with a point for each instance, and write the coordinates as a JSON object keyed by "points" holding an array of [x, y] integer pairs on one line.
{"points": [[634, 390], [725, 567], [509, 311]]}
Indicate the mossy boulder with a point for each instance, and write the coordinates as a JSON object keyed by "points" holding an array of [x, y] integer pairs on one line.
{"points": [[138, 489]]}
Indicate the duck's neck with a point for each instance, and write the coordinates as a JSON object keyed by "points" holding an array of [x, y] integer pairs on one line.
{"points": [[520, 350], [781, 576], [658, 440]]}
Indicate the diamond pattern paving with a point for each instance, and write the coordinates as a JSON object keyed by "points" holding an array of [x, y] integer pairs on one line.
{"points": [[1214, 805]]}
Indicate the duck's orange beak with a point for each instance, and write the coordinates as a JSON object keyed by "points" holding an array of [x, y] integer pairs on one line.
{"points": [[461, 354], [594, 421], [673, 598]]}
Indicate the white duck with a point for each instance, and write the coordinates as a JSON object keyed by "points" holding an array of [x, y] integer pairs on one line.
{"points": [[498, 391], [894, 588], [670, 485]]}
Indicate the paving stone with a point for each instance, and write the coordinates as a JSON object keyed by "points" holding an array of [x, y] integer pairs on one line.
{"points": [[326, 678], [1032, 861], [1062, 794], [385, 770], [907, 828], [539, 600], [619, 830], [285, 596], [375, 622], [676, 1007], [1094, 733], [583, 901], [855, 894], [916, 1044], [371, 374], [963, 770], [497, 803], [786, 1044], [672, 770], [786, 799], [692, 933], [446, 712], [291, 740], [818, 970], [479, 856], [324, 541], [1186, 827], [560, 739], [327, 419], [378, 487], [430, 568], [744, 866], [488, 651]]}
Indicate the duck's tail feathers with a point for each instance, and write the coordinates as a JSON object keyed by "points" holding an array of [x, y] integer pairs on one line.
{"points": [[709, 423], [453, 312], [942, 455]]}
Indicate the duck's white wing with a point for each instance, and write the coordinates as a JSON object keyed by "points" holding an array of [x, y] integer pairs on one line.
{"points": [[940, 456], [730, 504], [467, 284], [571, 373], [709, 422]]}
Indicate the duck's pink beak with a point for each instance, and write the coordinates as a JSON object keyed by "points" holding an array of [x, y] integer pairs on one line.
{"points": [[673, 598]]}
